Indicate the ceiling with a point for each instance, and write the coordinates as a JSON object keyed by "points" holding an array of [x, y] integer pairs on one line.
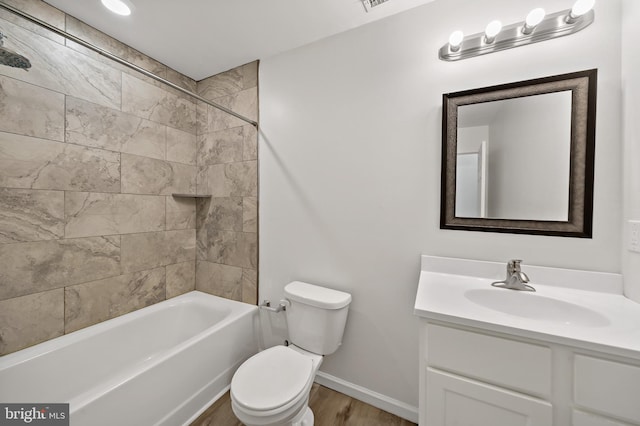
{"points": [[200, 38]]}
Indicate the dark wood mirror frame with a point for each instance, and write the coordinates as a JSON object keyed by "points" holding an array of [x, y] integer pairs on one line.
{"points": [[583, 87]]}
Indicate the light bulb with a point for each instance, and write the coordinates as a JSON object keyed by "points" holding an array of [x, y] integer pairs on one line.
{"points": [[492, 30], [533, 20], [117, 6], [455, 40], [580, 8]]}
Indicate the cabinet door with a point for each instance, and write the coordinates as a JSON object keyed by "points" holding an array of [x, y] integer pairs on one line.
{"points": [[607, 387], [580, 418], [457, 401]]}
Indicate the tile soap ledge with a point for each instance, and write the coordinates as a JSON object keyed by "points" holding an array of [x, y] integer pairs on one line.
{"points": [[191, 196]]}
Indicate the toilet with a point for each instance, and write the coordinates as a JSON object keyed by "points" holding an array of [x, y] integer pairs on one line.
{"points": [[272, 387]]}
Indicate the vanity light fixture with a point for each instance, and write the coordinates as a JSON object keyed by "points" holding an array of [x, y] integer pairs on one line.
{"points": [[538, 26], [118, 7]]}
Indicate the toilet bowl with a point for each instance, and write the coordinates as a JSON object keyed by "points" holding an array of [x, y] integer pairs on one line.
{"points": [[272, 387]]}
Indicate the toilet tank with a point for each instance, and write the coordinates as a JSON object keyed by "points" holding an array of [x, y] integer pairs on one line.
{"points": [[316, 317]]}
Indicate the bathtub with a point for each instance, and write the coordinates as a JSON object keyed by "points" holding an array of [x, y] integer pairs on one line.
{"points": [[161, 365]]}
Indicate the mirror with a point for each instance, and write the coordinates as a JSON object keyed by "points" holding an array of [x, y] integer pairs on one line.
{"points": [[519, 157]]}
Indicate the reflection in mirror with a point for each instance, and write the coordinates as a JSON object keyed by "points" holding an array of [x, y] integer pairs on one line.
{"points": [[519, 157], [471, 175], [525, 172]]}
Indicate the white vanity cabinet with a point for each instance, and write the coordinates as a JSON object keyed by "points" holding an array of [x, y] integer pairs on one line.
{"points": [[473, 377], [567, 354]]}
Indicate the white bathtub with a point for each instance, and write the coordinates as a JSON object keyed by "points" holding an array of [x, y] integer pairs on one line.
{"points": [[161, 365]]}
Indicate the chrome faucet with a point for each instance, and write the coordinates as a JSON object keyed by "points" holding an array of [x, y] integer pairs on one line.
{"points": [[516, 279]]}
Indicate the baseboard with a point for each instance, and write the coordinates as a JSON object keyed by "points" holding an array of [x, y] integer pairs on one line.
{"points": [[376, 399]]}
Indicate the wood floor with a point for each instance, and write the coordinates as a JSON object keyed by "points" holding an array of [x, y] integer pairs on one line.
{"points": [[330, 408]]}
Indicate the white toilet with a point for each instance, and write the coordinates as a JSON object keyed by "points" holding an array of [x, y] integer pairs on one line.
{"points": [[272, 387]]}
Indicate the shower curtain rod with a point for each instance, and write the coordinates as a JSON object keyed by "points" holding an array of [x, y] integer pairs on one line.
{"points": [[121, 61]]}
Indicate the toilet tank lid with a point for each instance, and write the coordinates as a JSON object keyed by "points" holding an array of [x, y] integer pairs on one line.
{"points": [[313, 295]]}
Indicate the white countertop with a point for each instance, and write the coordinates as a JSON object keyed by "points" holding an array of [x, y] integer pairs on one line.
{"points": [[577, 308]]}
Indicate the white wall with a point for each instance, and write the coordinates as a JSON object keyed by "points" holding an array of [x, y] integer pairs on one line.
{"points": [[631, 129], [350, 169]]}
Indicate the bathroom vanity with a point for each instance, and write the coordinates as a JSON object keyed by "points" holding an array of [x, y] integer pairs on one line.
{"points": [[567, 354]]}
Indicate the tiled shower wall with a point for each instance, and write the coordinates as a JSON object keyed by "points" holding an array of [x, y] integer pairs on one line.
{"points": [[89, 155], [227, 225]]}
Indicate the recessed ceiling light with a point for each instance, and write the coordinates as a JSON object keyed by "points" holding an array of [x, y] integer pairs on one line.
{"points": [[117, 6]]}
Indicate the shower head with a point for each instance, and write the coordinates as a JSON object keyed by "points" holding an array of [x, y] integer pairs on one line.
{"points": [[10, 58]]}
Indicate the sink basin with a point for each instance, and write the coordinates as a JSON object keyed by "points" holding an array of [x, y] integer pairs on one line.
{"points": [[535, 306]]}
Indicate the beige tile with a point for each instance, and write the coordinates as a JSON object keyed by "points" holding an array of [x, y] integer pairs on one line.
{"points": [[40, 10], [246, 251], [223, 84], [129, 54], [244, 103], [202, 243], [229, 180], [111, 45], [30, 110], [89, 214], [181, 146], [250, 143], [250, 75], [181, 213], [27, 162], [181, 278], [221, 213], [97, 126], [154, 249], [27, 268], [228, 247], [250, 286], [142, 175], [219, 120], [27, 215], [250, 214], [97, 301], [153, 103], [181, 80], [219, 280], [63, 70], [202, 119], [224, 146], [161, 71], [29, 320]]}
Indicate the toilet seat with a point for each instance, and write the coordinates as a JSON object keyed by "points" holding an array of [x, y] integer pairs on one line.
{"points": [[272, 381]]}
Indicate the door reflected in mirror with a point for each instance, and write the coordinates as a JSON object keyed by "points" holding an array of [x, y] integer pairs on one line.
{"points": [[513, 158]]}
